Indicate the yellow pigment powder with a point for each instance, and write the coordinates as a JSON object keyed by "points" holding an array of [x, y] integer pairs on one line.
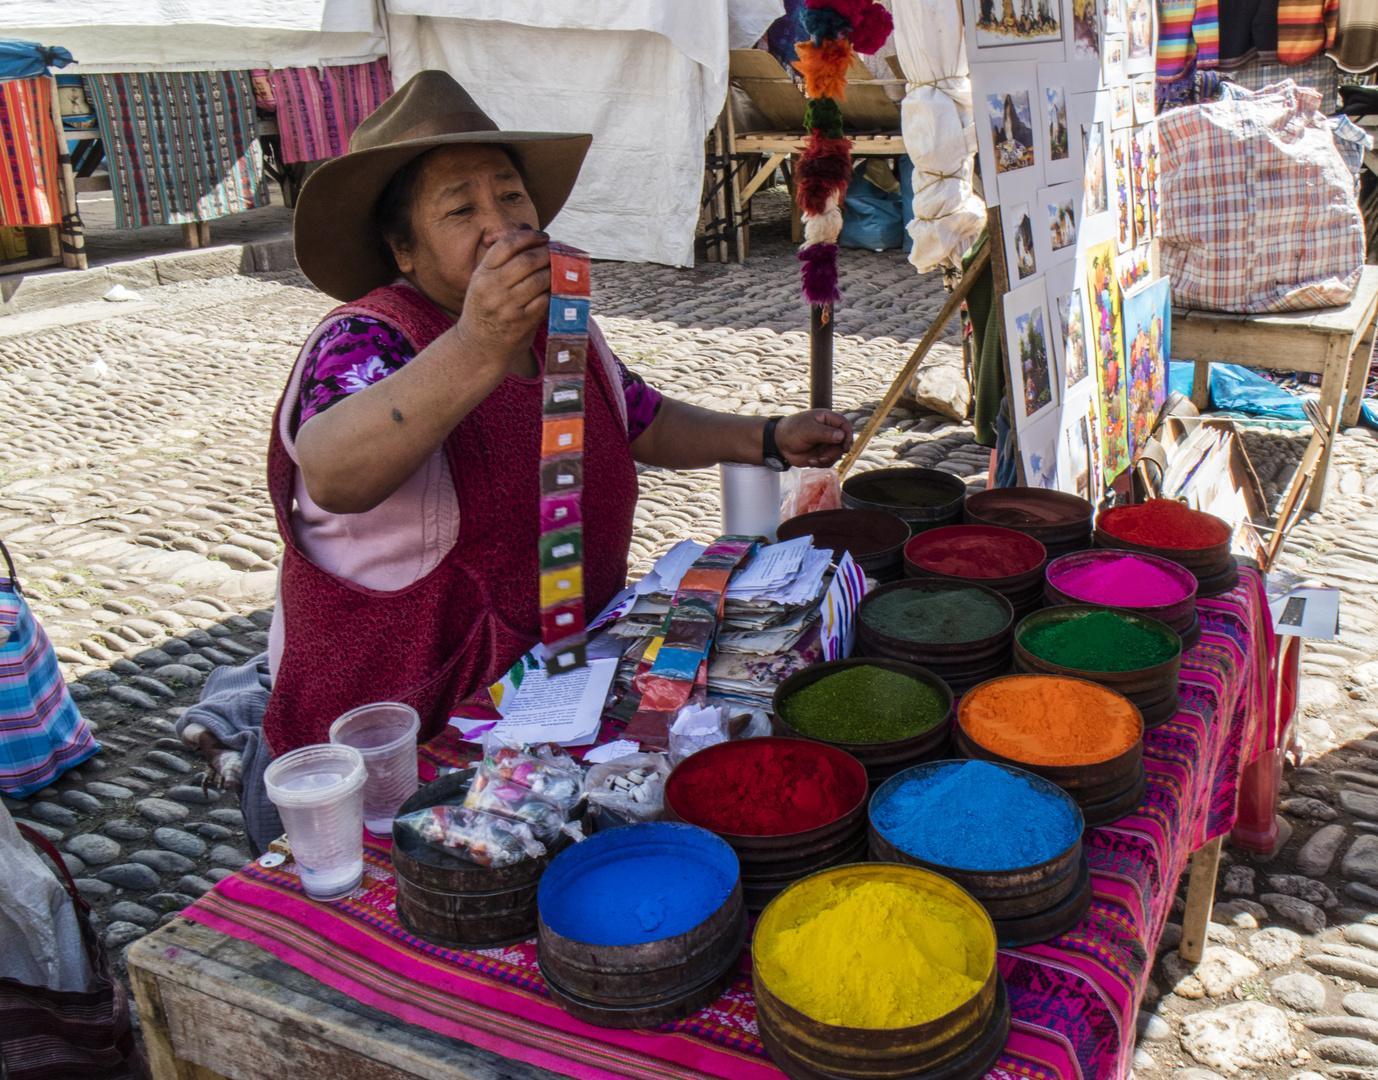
{"points": [[872, 954]]}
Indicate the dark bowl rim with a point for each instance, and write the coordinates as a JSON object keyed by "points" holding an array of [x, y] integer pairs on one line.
{"points": [[914, 671], [1068, 612]]}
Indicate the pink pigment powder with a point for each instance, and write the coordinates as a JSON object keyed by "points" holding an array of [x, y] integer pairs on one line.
{"points": [[1125, 582]]}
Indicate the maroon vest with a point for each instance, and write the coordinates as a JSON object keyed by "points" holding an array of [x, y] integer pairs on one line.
{"points": [[457, 629]]}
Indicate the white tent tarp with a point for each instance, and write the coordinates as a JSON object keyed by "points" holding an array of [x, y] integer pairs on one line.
{"points": [[939, 131], [130, 35], [646, 77]]}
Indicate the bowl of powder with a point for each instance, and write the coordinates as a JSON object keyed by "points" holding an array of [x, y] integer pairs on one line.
{"points": [[787, 807], [1084, 738], [1171, 530], [885, 713], [1010, 838], [878, 969], [1150, 585], [961, 632], [1123, 651], [1005, 560]]}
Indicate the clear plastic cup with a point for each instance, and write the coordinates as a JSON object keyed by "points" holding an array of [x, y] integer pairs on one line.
{"points": [[319, 793], [385, 733]]}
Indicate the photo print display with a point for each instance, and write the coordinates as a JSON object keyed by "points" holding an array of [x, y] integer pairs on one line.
{"points": [[1121, 106], [1014, 30], [1055, 83], [1021, 252], [1140, 150], [1038, 450], [1147, 314], [1112, 60], [1071, 317], [1010, 118], [1085, 30], [1144, 106], [1031, 355], [1120, 190], [1088, 112], [1141, 32], [1057, 216], [1078, 464], [1107, 348], [1132, 268], [1112, 16]]}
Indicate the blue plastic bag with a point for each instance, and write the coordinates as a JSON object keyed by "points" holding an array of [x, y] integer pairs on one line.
{"points": [[871, 218]]}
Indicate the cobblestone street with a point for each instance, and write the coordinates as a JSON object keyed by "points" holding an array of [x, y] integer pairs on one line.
{"points": [[132, 496]]}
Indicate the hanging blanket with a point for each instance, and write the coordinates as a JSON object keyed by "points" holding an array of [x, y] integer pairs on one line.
{"points": [[182, 146], [28, 179], [319, 108], [1074, 999]]}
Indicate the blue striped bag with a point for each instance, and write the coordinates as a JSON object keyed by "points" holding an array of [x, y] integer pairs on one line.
{"points": [[41, 733]]}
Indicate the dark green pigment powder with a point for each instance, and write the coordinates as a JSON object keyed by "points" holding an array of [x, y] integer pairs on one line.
{"points": [[1101, 641], [864, 704], [900, 491], [938, 618]]}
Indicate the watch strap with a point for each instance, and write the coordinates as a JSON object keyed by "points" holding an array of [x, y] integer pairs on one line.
{"points": [[769, 448]]}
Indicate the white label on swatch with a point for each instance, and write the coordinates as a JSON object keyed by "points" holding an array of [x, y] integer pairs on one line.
{"points": [[572, 275], [562, 357], [563, 583], [565, 395], [563, 619], [564, 478], [565, 659], [571, 314], [561, 512], [562, 550], [565, 439]]}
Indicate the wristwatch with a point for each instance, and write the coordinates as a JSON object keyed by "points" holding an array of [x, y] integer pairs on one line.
{"points": [[770, 453]]}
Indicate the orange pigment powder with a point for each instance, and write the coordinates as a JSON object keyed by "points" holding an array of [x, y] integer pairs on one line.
{"points": [[1050, 720]]}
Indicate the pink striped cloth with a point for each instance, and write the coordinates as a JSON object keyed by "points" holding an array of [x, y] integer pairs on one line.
{"points": [[319, 108]]}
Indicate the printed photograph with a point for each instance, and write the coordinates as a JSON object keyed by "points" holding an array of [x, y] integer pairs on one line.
{"points": [[1086, 29], [1033, 360], [1139, 185], [1011, 129], [1079, 457], [1073, 337], [1055, 102], [1023, 241], [1139, 17], [1119, 184], [1017, 22], [1107, 338], [1112, 60], [1121, 106], [1062, 225], [1112, 16], [1143, 101], [1093, 151], [1147, 324]]}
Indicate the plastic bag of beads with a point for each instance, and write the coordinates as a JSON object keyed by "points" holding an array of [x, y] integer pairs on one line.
{"points": [[486, 839], [628, 790], [506, 798], [546, 770]]}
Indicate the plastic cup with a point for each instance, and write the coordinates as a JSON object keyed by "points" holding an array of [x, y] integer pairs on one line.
{"points": [[385, 734], [319, 793]]}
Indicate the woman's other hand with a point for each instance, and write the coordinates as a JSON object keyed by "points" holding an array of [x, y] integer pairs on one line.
{"points": [[815, 439]]}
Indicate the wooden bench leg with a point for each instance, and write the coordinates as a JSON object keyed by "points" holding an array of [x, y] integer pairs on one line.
{"points": [[1205, 864], [1332, 396], [1358, 378], [1201, 386], [163, 1061]]}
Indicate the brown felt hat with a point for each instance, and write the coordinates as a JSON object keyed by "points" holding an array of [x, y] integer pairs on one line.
{"points": [[334, 234]]}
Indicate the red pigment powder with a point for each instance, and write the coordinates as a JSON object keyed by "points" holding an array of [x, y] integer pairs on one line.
{"points": [[1163, 523], [764, 787], [973, 551]]}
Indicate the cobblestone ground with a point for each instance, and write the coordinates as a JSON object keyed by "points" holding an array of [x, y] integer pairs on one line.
{"points": [[132, 496]]}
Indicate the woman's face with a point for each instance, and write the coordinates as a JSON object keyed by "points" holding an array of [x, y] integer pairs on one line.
{"points": [[467, 198]]}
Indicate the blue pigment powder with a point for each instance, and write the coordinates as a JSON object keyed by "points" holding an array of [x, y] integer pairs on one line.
{"points": [[976, 816], [636, 884]]}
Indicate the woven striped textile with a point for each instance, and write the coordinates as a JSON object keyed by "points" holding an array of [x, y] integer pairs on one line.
{"points": [[1305, 28], [319, 108], [1356, 37], [28, 178], [182, 146], [41, 733], [1074, 999]]}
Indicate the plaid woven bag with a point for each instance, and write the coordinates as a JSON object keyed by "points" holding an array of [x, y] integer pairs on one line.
{"points": [[69, 1034], [41, 733], [1257, 205]]}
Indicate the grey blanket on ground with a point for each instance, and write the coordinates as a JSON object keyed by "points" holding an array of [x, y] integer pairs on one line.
{"points": [[231, 708]]}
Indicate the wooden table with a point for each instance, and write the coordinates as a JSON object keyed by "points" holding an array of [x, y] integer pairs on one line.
{"points": [[1334, 343], [212, 1007]]}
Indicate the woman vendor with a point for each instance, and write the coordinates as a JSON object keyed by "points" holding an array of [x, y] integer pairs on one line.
{"points": [[404, 462]]}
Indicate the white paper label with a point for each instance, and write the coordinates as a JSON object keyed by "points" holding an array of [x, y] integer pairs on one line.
{"points": [[562, 584], [571, 314], [562, 551], [564, 619], [572, 275], [564, 479], [565, 439], [562, 357], [565, 659], [565, 395], [561, 512]]}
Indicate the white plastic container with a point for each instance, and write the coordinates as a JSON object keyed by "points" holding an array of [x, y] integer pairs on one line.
{"points": [[319, 793], [385, 734]]}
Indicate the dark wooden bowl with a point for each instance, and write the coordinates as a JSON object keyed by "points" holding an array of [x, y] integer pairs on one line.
{"points": [[874, 538], [1060, 522], [889, 490]]}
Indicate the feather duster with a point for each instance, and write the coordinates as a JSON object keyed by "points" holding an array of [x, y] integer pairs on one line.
{"points": [[818, 270], [824, 68]]}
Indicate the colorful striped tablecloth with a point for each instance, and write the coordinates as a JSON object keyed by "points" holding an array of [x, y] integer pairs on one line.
{"points": [[1074, 999]]}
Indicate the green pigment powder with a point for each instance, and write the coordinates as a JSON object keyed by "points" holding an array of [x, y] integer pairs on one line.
{"points": [[1101, 641], [938, 618], [902, 491], [864, 704]]}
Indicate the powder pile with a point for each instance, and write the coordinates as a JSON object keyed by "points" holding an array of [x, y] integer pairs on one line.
{"points": [[864, 704], [902, 491], [976, 816], [947, 617], [761, 787], [958, 552], [1164, 523], [1100, 641], [1126, 581], [643, 895], [1049, 720], [871, 954]]}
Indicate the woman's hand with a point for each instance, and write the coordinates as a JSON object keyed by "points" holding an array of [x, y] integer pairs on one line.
{"points": [[508, 298], [816, 438]]}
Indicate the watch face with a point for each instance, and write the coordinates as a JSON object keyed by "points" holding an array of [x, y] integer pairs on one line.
{"points": [[776, 463]]}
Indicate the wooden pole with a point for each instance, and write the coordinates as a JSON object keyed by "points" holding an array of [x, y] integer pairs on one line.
{"points": [[821, 356], [954, 301], [71, 238], [1205, 864]]}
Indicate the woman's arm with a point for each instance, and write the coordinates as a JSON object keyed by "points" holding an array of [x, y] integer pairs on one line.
{"points": [[362, 449], [688, 437]]}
